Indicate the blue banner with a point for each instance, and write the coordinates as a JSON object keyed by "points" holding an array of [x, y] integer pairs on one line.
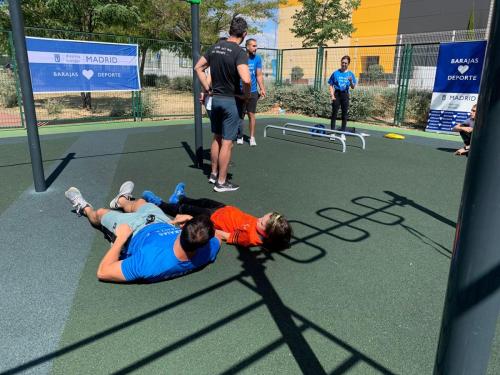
{"points": [[456, 86], [58, 65]]}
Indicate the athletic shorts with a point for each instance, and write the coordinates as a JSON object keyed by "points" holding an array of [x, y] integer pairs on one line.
{"points": [[148, 213], [251, 105], [225, 116]]}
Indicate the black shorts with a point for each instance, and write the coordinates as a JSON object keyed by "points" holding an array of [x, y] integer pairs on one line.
{"points": [[251, 104]]}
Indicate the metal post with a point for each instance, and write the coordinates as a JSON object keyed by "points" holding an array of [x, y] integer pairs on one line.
{"points": [[472, 300], [195, 48], [17, 20]]}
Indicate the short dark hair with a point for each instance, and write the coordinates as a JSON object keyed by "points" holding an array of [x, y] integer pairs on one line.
{"points": [[278, 232], [196, 233], [346, 57], [238, 27], [250, 40]]}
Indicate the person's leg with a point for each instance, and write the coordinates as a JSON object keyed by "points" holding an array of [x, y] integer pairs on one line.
{"points": [[335, 111], [95, 216], [171, 209], [466, 137], [344, 103], [251, 124], [239, 138], [224, 159], [201, 202], [214, 153], [130, 206]]}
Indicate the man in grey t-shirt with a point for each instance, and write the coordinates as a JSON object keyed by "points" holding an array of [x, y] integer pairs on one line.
{"points": [[228, 64]]}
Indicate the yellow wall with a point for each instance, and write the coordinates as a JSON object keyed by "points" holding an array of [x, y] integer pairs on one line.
{"points": [[376, 22]]}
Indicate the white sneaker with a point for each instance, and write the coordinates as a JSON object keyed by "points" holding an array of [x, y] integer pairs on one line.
{"points": [[239, 141], [252, 142], [76, 199], [125, 191]]}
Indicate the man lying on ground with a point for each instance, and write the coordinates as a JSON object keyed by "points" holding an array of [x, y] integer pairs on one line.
{"points": [[148, 247], [232, 225]]}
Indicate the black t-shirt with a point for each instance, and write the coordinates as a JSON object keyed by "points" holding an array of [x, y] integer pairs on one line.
{"points": [[223, 59]]}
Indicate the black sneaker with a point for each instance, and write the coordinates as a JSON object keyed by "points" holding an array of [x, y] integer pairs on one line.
{"points": [[212, 179], [226, 186]]}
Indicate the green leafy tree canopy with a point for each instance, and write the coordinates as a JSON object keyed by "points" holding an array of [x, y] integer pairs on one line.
{"points": [[321, 21]]}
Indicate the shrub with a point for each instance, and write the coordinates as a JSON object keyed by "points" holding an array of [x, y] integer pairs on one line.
{"points": [[417, 106], [53, 106], [375, 73], [118, 112], [150, 80], [183, 83], [146, 104], [297, 73], [384, 102], [163, 81], [8, 93], [307, 101]]}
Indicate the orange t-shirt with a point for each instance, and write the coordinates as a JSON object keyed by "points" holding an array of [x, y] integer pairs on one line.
{"points": [[242, 227]]}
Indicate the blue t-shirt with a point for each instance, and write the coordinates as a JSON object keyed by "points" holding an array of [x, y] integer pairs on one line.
{"points": [[254, 63], [340, 80], [150, 255]]}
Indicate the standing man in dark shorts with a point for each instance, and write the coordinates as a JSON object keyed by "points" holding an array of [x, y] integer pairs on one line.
{"points": [[255, 67], [228, 64]]}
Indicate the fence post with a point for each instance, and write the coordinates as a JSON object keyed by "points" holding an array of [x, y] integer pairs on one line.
{"points": [[16, 78], [403, 81], [280, 68], [319, 68]]}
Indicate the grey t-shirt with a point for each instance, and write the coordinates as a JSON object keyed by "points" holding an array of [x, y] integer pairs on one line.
{"points": [[469, 122]]}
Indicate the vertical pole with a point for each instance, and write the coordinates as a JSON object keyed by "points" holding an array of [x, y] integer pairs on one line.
{"points": [[405, 83], [472, 301], [17, 20], [195, 48]]}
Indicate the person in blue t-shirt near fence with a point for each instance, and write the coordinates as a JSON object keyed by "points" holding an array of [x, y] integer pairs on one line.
{"points": [[257, 90], [147, 246], [340, 82]]}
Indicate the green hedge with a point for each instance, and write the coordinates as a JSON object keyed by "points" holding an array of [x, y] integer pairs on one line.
{"points": [[372, 103]]}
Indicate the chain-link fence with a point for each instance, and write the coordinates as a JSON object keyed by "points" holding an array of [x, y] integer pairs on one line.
{"points": [[394, 80], [166, 75]]}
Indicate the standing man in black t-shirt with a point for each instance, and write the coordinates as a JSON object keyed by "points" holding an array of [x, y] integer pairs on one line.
{"points": [[228, 64]]}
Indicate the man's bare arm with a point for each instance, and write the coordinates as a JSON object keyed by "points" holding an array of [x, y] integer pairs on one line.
{"points": [[244, 73], [260, 82], [199, 69], [110, 267]]}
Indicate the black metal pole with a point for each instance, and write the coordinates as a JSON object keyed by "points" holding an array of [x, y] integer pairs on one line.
{"points": [[16, 17], [472, 300], [195, 36]]}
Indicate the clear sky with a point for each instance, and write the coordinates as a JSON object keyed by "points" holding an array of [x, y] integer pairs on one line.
{"points": [[266, 39]]}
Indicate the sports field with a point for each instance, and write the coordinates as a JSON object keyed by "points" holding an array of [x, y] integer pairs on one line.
{"points": [[360, 291]]}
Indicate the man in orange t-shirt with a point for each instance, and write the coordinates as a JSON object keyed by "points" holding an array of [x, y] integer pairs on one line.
{"points": [[232, 224]]}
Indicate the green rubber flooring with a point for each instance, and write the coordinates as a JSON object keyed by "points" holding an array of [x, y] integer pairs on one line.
{"points": [[360, 291]]}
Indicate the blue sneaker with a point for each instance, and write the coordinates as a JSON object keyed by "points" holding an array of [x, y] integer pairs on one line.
{"points": [[151, 197], [178, 192]]}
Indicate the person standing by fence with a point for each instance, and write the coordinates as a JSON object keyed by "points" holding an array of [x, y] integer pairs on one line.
{"points": [[250, 108], [340, 82]]}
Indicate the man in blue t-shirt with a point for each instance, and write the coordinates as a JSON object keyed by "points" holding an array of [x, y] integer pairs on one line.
{"points": [[147, 247], [250, 107], [340, 82]]}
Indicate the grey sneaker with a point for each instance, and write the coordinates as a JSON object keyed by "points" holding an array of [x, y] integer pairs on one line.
{"points": [[226, 186], [125, 191], [212, 179], [239, 141], [77, 200]]}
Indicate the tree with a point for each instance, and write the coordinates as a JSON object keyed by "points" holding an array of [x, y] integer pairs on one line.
{"points": [[322, 21]]}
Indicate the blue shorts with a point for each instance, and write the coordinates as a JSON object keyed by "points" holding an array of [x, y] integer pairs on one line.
{"points": [[135, 220], [225, 117]]}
